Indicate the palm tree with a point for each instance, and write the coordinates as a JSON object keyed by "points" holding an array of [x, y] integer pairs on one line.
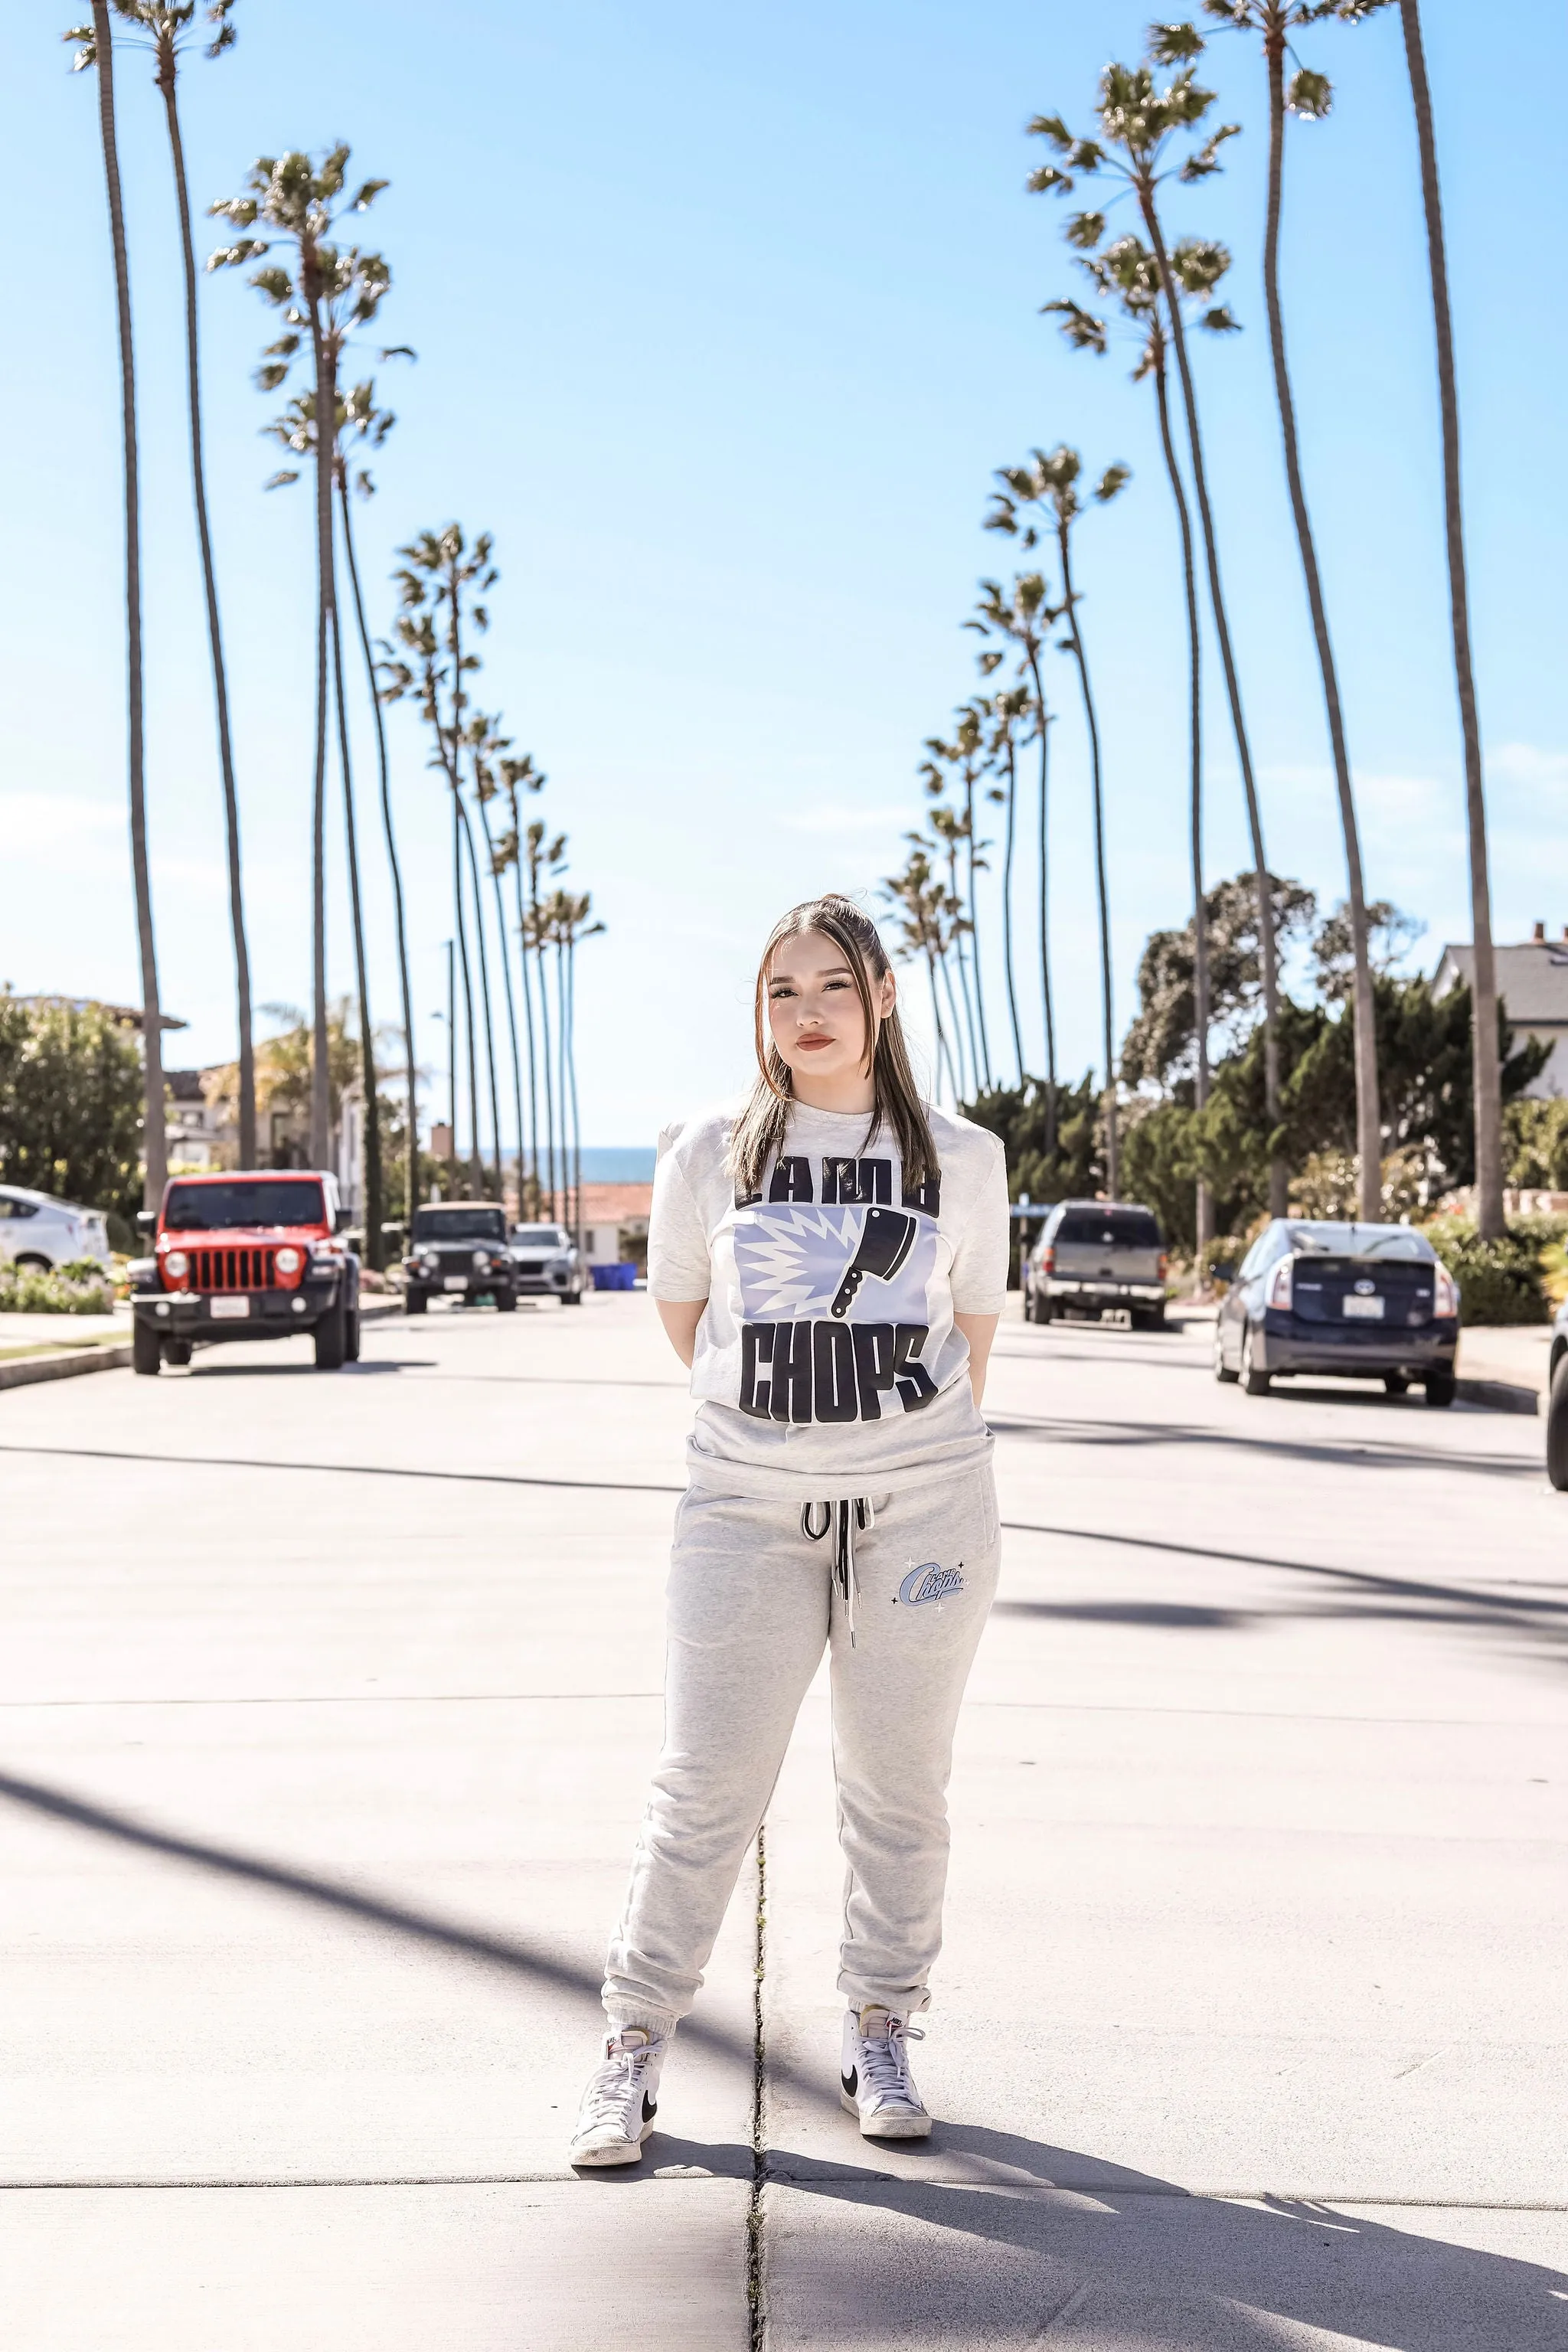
{"points": [[1012, 707], [487, 748], [1051, 483], [919, 896], [968, 755], [542, 857], [566, 921], [1308, 95], [1126, 271], [98, 49], [164, 23], [521, 776], [949, 829], [1024, 616], [1137, 122], [1484, 1004], [330, 293]]}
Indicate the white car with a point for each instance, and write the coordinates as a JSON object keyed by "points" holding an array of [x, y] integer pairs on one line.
{"points": [[42, 1232]]}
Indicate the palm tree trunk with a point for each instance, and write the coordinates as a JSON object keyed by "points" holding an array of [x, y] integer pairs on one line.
{"points": [[326, 435], [1484, 1004], [155, 1147], [484, 961], [1007, 905], [247, 1106], [1113, 1155], [943, 1058], [1369, 1131], [545, 1056], [528, 1018], [411, 1075], [1195, 762], [1279, 1189], [962, 962], [506, 979], [561, 1057], [974, 935], [1044, 723], [571, 1067], [960, 1078], [475, 1165], [372, 1206]]}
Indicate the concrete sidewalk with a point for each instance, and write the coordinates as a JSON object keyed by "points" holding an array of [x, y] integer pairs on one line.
{"points": [[327, 1710]]}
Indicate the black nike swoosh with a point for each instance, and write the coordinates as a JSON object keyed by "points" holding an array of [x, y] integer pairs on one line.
{"points": [[649, 2109], [852, 2081]]}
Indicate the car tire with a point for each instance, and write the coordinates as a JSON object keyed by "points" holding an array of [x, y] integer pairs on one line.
{"points": [[1221, 1370], [1255, 1383], [416, 1302], [572, 1298], [1557, 1427], [1441, 1388], [1395, 1384], [178, 1353], [1028, 1304], [506, 1302], [351, 1345], [332, 1337], [146, 1349]]}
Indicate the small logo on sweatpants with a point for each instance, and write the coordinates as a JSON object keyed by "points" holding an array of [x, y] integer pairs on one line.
{"points": [[930, 1582]]}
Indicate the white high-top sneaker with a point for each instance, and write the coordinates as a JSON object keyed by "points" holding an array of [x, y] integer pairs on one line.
{"points": [[875, 2081], [621, 2100]]}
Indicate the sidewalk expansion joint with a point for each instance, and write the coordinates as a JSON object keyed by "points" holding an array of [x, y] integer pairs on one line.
{"points": [[756, 2304]]}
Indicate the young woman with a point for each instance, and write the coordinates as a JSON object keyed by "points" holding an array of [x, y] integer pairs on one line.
{"points": [[830, 1263]]}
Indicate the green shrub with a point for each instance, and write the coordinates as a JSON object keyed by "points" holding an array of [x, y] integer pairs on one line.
{"points": [[78, 1289], [1499, 1282]]}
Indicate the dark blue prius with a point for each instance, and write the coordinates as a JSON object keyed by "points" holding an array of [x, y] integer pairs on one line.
{"points": [[1360, 1302]]}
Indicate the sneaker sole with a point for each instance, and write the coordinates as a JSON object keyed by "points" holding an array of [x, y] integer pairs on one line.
{"points": [[894, 2127], [619, 2151]]}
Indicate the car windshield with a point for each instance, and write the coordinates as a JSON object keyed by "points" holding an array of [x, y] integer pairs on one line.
{"points": [[539, 1238], [218, 1208], [1359, 1241], [476, 1224], [1111, 1228]]}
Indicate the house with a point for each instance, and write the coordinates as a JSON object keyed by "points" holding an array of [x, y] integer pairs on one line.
{"points": [[1532, 981], [615, 1222]]}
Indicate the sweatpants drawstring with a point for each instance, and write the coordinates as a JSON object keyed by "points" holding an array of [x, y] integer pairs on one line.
{"points": [[844, 1518]]}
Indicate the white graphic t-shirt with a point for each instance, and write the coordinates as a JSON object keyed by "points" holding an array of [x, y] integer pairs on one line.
{"points": [[827, 1361]]}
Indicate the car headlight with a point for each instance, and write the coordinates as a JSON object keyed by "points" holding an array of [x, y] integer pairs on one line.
{"points": [[560, 1263], [480, 1260], [288, 1261], [176, 1262]]}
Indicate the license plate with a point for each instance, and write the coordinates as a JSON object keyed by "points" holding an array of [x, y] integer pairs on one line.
{"points": [[455, 1282], [229, 1310], [1370, 1310]]}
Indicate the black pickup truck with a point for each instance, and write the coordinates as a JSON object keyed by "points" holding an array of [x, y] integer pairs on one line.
{"points": [[459, 1248]]}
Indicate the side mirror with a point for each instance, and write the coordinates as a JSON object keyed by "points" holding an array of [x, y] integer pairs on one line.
{"points": [[343, 1221], [146, 1221]]}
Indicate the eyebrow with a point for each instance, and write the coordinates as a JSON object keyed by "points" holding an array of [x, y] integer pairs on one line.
{"points": [[825, 972]]}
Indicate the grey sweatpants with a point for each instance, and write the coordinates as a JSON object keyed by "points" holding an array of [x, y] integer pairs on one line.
{"points": [[752, 1602]]}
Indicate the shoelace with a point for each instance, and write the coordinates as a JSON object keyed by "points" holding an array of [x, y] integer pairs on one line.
{"points": [[885, 2059], [843, 1519], [617, 2082]]}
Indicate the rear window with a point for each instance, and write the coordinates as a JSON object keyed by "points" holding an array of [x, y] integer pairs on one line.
{"points": [[1359, 1241], [218, 1208], [1111, 1228], [477, 1223]]}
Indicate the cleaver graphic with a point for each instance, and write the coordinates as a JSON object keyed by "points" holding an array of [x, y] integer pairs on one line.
{"points": [[886, 1239]]}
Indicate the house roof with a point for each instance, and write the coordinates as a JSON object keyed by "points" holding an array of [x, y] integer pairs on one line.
{"points": [[185, 1085], [612, 1204], [1531, 979]]}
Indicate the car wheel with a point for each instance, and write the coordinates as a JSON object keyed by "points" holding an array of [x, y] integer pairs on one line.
{"points": [[572, 1298], [33, 1263], [332, 1336], [1221, 1370], [1395, 1384], [1255, 1383], [1557, 1427], [416, 1302], [351, 1345], [506, 1302], [1441, 1388], [1028, 1304], [146, 1349]]}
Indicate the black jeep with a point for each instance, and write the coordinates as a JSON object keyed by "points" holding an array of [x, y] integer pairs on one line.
{"points": [[459, 1248]]}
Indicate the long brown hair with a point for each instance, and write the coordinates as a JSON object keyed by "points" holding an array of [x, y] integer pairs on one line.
{"points": [[759, 1133]]}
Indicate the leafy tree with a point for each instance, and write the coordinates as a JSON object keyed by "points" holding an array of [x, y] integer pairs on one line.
{"points": [[1076, 1169], [1308, 95], [1535, 1136], [1388, 935], [1160, 1044], [1050, 483], [1137, 122], [331, 292], [71, 1103], [98, 49]]}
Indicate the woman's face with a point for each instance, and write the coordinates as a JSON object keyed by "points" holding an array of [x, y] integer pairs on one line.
{"points": [[813, 1014]]}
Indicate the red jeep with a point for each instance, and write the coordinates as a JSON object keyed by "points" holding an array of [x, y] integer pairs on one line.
{"points": [[252, 1256]]}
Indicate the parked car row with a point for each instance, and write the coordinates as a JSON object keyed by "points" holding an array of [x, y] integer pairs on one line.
{"points": [[466, 1249], [1097, 1258]]}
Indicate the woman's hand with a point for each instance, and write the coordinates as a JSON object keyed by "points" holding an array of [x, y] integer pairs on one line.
{"points": [[979, 1330], [680, 1317]]}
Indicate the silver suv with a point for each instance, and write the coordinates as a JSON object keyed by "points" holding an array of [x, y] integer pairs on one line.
{"points": [[38, 1231], [1099, 1258]]}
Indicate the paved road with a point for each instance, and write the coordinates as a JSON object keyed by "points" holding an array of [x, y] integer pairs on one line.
{"points": [[326, 1705]]}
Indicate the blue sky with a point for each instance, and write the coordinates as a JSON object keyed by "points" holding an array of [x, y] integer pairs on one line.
{"points": [[724, 318]]}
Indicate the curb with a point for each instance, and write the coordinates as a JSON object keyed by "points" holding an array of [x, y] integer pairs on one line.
{"points": [[1498, 1396], [65, 1366], [70, 1363]]}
